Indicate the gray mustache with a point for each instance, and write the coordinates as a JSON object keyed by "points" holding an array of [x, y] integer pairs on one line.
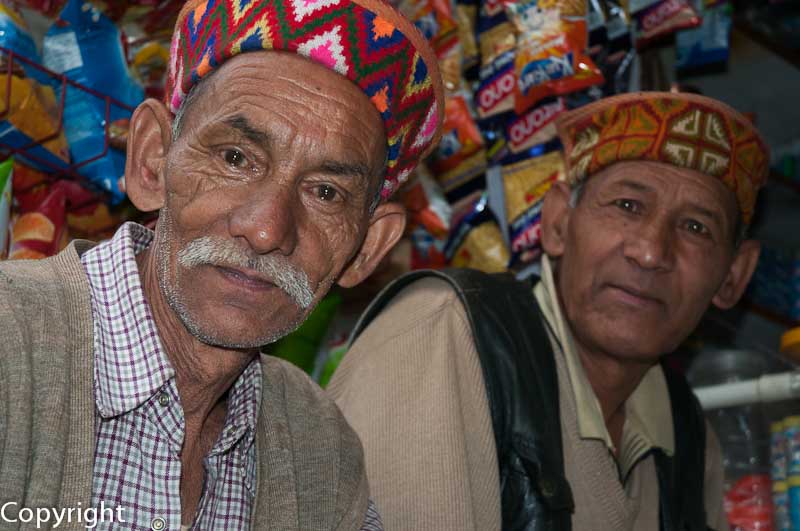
{"points": [[276, 268]]}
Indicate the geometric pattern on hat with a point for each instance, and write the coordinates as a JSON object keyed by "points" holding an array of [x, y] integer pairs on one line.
{"points": [[366, 41], [685, 130]]}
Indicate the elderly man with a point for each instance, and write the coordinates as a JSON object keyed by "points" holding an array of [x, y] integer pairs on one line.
{"points": [[493, 405], [130, 375]]}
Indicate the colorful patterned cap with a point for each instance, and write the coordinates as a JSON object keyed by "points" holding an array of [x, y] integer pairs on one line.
{"points": [[685, 130], [366, 41]]}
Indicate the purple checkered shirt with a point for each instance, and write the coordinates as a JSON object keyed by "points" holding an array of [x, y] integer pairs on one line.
{"points": [[140, 423]]}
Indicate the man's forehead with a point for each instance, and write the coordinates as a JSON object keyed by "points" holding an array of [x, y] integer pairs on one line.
{"points": [[663, 180]]}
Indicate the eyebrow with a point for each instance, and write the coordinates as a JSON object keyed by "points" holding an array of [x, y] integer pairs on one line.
{"points": [[345, 169], [252, 133], [703, 211], [639, 187]]}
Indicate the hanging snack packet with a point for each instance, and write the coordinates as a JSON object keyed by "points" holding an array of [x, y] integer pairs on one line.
{"points": [[426, 205], [466, 18], [495, 94], [6, 176], [41, 233], [706, 48], [551, 57], [459, 157], [656, 19], [495, 32], [434, 19], [536, 126], [86, 46], [524, 186], [477, 242]]}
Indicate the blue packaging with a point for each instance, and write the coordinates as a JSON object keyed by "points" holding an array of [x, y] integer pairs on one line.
{"points": [[86, 46]]}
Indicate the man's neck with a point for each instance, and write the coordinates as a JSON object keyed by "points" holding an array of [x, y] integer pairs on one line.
{"points": [[203, 373]]}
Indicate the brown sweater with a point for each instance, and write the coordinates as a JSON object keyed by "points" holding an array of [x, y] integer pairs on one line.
{"points": [[310, 472], [426, 428]]}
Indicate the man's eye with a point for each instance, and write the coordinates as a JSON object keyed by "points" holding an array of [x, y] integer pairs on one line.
{"points": [[629, 205], [697, 228], [234, 158], [326, 192]]}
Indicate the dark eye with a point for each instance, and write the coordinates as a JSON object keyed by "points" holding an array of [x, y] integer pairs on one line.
{"points": [[234, 158], [697, 228], [629, 205], [326, 192]]}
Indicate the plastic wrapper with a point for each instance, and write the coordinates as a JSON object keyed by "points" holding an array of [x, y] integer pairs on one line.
{"points": [[748, 503], [466, 18], [550, 57], [495, 32], [707, 47], [149, 60], [151, 15], [85, 46], [495, 94], [32, 117], [15, 36], [459, 159], [427, 251], [427, 206], [524, 185], [534, 127], [656, 19], [435, 19], [477, 242], [41, 232], [617, 54], [6, 178]]}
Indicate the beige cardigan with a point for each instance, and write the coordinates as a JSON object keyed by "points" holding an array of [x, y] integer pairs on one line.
{"points": [[426, 428], [310, 463]]}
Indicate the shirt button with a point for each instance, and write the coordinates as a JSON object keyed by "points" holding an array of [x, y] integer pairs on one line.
{"points": [[163, 399], [158, 524]]}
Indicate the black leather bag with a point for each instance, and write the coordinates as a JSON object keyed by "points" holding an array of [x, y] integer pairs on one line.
{"points": [[522, 389]]}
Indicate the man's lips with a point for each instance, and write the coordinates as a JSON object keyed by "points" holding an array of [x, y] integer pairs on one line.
{"points": [[634, 296], [246, 278]]}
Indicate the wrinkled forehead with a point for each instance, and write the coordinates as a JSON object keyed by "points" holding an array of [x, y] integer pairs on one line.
{"points": [[666, 182]]}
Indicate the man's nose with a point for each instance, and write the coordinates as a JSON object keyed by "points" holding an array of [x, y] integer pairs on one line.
{"points": [[650, 245], [266, 219]]}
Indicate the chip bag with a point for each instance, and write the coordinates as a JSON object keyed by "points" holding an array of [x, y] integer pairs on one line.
{"points": [[32, 117], [6, 176], [459, 158], [495, 32], [42, 232], [477, 242], [495, 94], [657, 19], [426, 205], [524, 185], [551, 44], [434, 19]]}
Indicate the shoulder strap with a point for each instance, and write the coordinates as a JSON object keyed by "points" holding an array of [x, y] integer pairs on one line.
{"points": [[521, 385], [681, 476]]}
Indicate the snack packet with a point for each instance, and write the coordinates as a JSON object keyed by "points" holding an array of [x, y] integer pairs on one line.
{"points": [[434, 19], [536, 126], [427, 251], [477, 241], [495, 94], [656, 19], [86, 46], [495, 32], [15, 36], [707, 47], [466, 15], [524, 185], [41, 232], [551, 44], [6, 177], [426, 205], [32, 117]]}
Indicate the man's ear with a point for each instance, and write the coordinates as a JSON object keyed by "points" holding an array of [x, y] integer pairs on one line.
{"points": [[555, 218], [149, 139], [386, 227], [739, 273]]}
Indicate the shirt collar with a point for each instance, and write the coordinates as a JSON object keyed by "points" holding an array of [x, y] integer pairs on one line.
{"points": [[648, 414]]}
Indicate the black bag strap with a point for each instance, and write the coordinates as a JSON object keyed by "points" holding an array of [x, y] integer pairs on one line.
{"points": [[683, 474], [519, 373]]}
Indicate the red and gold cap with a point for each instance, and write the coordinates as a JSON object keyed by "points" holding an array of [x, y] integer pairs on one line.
{"points": [[685, 130], [366, 41]]}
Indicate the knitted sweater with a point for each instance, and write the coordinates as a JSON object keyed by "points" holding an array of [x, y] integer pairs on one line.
{"points": [[310, 470]]}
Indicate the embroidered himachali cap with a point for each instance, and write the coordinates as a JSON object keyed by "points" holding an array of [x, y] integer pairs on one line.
{"points": [[685, 130], [366, 41]]}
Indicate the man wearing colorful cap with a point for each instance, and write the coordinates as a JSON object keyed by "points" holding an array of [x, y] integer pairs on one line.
{"points": [[131, 383], [495, 404]]}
